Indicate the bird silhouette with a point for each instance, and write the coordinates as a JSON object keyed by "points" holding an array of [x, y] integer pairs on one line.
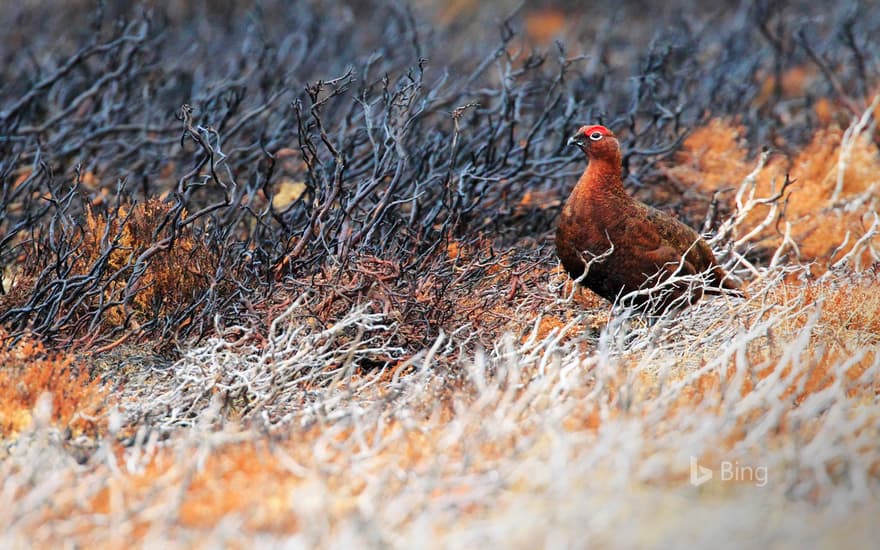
{"points": [[626, 246]]}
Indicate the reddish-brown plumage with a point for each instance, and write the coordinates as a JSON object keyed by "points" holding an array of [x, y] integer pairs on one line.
{"points": [[648, 245]]}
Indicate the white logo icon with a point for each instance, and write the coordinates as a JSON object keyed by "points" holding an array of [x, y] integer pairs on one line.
{"points": [[699, 474]]}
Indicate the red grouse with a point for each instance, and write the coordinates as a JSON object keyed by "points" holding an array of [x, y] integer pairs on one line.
{"points": [[634, 247]]}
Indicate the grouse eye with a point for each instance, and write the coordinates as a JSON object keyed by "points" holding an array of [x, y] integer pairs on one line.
{"points": [[596, 136]]}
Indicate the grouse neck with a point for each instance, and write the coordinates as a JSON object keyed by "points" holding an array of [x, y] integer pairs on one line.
{"points": [[603, 177]]}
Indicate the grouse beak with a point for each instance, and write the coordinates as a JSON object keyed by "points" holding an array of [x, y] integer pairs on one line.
{"points": [[577, 139]]}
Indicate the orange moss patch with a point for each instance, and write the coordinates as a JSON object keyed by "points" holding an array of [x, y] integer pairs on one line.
{"points": [[241, 478], [793, 83], [545, 25], [825, 110], [546, 326], [826, 206], [29, 371], [713, 157], [453, 249]]}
